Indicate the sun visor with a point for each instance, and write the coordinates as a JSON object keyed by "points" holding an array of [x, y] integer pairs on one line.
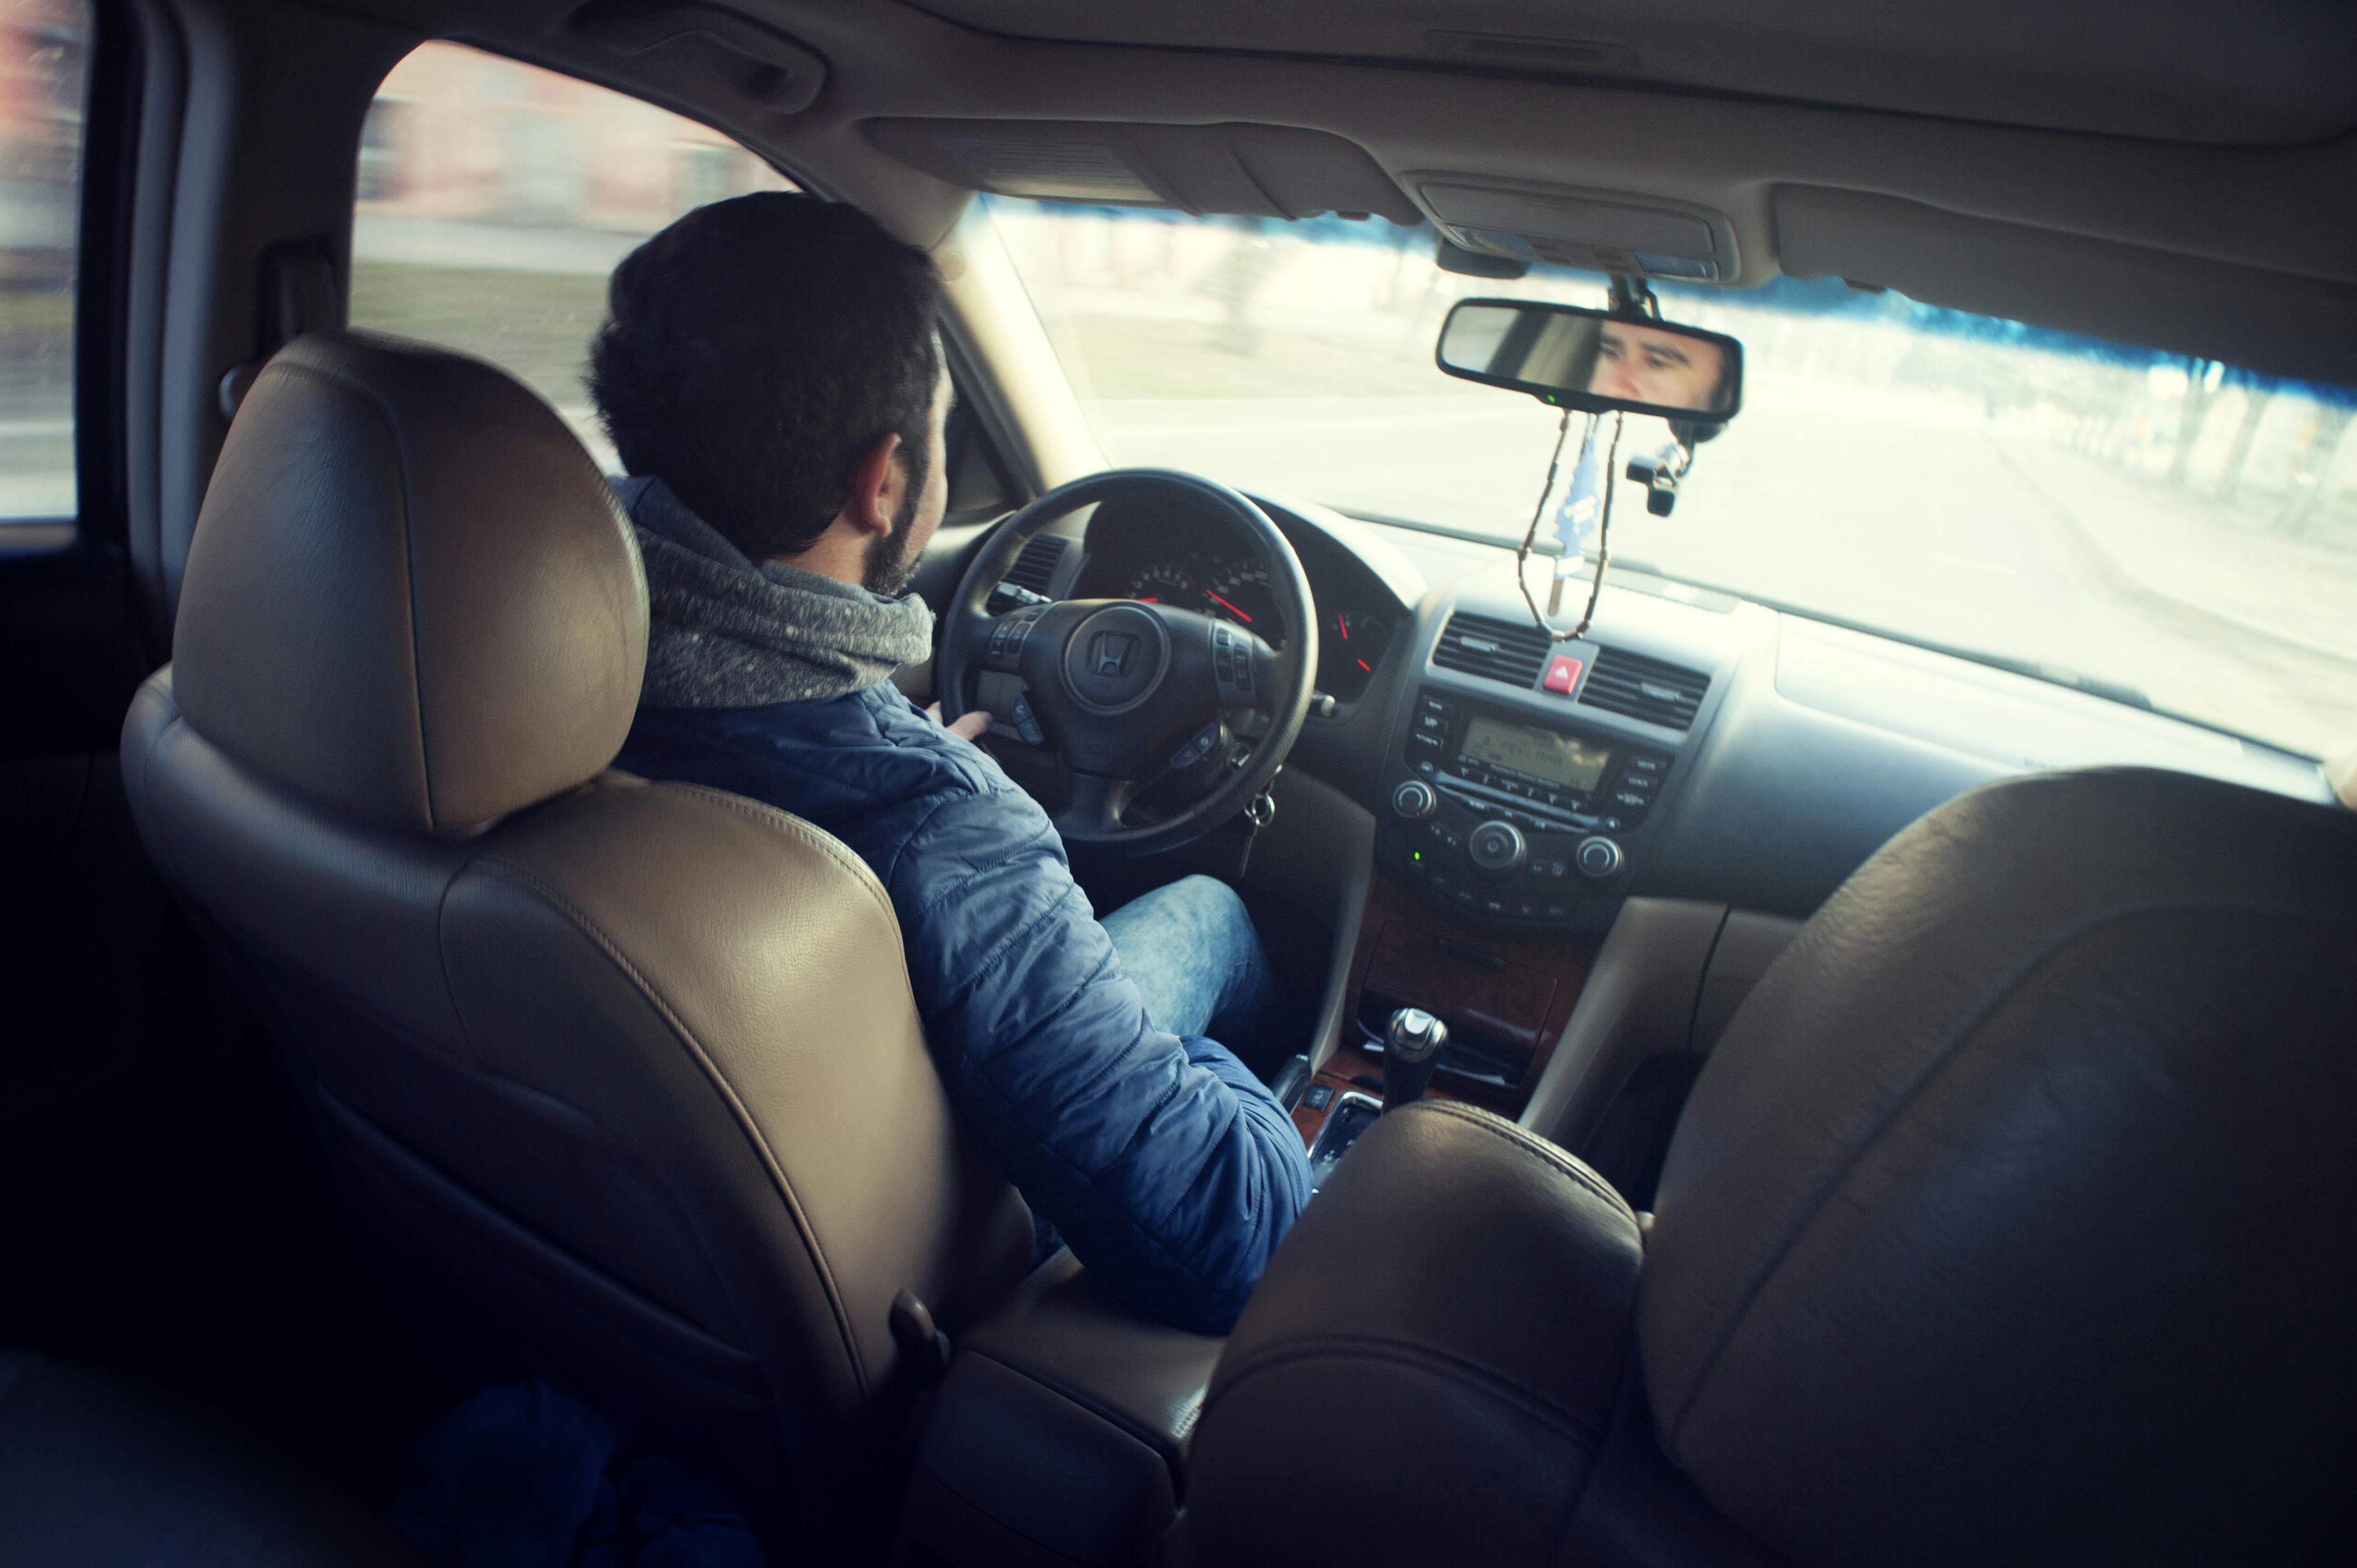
{"points": [[1264, 171], [1605, 232], [2268, 321]]}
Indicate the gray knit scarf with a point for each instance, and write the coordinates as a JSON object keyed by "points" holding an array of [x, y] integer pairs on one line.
{"points": [[727, 632]]}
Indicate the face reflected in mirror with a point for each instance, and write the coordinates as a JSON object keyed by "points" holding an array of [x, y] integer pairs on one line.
{"points": [[1647, 365], [1591, 358]]}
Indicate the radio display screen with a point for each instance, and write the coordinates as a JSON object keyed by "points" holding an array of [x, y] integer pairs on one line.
{"points": [[1565, 761]]}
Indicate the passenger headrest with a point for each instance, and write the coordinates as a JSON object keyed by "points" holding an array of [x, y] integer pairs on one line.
{"points": [[2011, 1219], [411, 594]]}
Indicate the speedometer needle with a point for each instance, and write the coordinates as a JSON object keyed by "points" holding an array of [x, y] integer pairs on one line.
{"points": [[1227, 607]]}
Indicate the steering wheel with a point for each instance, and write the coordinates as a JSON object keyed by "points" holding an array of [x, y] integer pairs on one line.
{"points": [[1128, 692]]}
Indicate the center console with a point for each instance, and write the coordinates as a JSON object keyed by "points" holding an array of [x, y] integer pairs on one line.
{"points": [[1513, 823]]}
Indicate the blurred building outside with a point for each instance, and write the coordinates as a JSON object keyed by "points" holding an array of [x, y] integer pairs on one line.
{"points": [[44, 47], [495, 196]]}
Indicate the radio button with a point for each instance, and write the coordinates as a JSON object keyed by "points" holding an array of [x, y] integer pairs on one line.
{"points": [[1597, 858], [1413, 799], [1496, 847]]}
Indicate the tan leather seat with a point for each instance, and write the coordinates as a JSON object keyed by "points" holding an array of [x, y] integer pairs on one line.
{"points": [[2009, 1222], [638, 1063]]}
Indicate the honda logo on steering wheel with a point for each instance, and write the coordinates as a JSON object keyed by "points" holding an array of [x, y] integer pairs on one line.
{"points": [[1109, 652]]}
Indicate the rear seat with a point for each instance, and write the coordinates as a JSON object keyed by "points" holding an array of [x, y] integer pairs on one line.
{"points": [[97, 1469]]}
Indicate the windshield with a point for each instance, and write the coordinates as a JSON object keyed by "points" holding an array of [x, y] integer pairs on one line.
{"points": [[2173, 532]]}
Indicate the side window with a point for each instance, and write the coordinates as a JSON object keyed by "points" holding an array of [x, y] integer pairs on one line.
{"points": [[495, 197], [44, 68]]}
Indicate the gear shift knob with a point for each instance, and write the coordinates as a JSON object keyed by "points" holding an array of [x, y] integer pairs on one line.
{"points": [[1411, 1046]]}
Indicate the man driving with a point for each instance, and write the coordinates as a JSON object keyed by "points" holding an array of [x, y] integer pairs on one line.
{"points": [[770, 376], [1669, 369]]}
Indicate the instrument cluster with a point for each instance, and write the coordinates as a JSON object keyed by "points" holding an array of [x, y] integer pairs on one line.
{"points": [[1233, 580]]}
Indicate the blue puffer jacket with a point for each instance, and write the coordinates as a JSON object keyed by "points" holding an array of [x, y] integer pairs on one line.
{"points": [[1167, 1167]]}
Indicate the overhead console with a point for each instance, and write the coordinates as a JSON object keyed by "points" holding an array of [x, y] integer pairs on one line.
{"points": [[1608, 231], [1264, 171]]}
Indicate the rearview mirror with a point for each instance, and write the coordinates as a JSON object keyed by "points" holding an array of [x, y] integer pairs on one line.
{"points": [[1593, 360]]}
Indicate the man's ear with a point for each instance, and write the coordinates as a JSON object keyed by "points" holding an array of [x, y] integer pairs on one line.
{"points": [[876, 485]]}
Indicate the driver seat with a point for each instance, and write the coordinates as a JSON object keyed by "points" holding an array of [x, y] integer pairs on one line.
{"points": [[637, 1063]]}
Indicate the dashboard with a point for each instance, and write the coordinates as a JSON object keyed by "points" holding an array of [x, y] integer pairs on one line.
{"points": [[1202, 561], [1722, 751]]}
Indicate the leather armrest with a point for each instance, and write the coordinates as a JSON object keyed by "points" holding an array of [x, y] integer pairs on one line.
{"points": [[1433, 1359], [1061, 1433]]}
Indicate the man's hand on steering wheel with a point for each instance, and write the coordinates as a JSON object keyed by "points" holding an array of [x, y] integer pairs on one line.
{"points": [[972, 724], [1127, 692]]}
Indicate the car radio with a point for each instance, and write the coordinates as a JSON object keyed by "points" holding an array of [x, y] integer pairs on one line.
{"points": [[1514, 825]]}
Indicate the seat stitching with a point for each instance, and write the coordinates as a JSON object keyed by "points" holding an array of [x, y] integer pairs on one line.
{"points": [[826, 843], [1405, 1352], [1935, 1062], [168, 861], [728, 1092], [384, 412], [1530, 1143]]}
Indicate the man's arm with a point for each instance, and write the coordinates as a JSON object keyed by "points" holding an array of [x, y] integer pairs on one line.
{"points": [[1165, 1163]]}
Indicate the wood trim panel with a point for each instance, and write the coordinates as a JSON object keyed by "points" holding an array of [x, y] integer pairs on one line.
{"points": [[1518, 991]]}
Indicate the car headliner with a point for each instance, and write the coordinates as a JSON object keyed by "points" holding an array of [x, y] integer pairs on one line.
{"points": [[2127, 225]]}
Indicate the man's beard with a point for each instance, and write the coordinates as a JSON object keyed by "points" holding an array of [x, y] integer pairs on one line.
{"points": [[887, 568]]}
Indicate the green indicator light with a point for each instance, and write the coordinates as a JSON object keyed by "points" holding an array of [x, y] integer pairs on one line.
{"points": [[1415, 854]]}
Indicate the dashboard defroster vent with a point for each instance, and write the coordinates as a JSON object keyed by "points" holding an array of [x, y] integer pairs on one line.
{"points": [[1034, 568], [1495, 650], [1641, 688]]}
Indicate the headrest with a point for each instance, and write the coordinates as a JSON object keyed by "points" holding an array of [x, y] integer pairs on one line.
{"points": [[2011, 1219], [411, 594]]}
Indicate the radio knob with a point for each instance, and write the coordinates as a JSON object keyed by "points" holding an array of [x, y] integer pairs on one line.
{"points": [[1496, 848], [1414, 800], [1596, 858]]}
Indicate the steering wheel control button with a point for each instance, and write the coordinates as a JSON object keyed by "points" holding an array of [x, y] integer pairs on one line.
{"points": [[1026, 722], [1195, 750], [1007, 638], [1597, 858], [1115, 659], [1497, 848], [1413, 799]]}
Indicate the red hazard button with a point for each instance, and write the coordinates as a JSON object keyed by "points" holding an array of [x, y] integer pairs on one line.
{"points": [[1563, 674]]}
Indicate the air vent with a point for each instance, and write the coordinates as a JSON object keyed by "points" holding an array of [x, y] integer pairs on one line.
{"points": [[1511, 652], [1641, 688], [1034, 569]]}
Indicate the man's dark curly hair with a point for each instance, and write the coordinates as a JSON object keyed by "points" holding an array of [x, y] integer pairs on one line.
{"points": [[754, 351]]}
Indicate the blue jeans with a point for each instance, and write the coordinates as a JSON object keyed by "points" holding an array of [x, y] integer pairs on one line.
{"points": [[1190, 950]]}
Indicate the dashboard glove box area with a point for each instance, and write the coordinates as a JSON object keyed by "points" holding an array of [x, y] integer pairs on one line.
{"points": [[1060, 1432]]}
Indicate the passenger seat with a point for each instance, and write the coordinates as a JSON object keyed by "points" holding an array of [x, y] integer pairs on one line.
{"points": [[97, 1469]]}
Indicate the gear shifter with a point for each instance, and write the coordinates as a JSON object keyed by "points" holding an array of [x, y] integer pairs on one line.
{"points": [[1411, 1046]]}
